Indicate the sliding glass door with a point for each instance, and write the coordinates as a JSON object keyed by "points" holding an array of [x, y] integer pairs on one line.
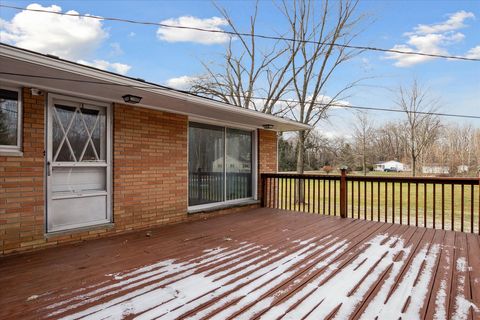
{"points": [[219, 164], [239, 164]]}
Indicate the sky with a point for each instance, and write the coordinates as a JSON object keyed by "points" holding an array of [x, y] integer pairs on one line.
{"points": [[172, 57]]}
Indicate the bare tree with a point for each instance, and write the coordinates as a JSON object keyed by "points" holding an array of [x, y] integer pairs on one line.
{"points": [[248, 77], [320, 31], [389, 142], [295, 69], [363, 133], [422, 126]]}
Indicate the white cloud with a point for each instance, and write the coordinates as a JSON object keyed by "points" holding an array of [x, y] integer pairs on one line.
{"points": [[181, 83], [188, 35], [454, 22], [474, 53], [109, 66], [71, 38], [65, 36], [433, 39]]}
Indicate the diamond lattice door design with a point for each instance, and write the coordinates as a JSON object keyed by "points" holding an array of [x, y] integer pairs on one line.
{"points": [[78, 164]]}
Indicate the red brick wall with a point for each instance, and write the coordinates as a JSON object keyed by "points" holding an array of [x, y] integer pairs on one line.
{"points": [[267, 146], [150, 167], [267, 155], [149, 177], [22, 183]]}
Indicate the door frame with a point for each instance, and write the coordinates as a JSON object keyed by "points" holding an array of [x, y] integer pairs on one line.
{"points": [[49, 148]]}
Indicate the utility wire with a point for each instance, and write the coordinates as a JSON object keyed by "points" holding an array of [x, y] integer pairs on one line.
{"points": [[261, 36], [164, 88]]}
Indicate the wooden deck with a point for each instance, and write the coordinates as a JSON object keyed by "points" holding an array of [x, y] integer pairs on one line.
{"points": [[264, 263]]}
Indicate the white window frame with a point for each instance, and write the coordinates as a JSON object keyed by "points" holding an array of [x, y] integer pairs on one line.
{"points": [[15, 150], [226, 203]]}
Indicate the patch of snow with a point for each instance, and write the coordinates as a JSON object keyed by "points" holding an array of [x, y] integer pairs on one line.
{"points": [[440, 302], [414, 285], [261, 274], [33, 297], [462, 305], [176, 271], [461, 264], [171, 284], [359, 274], [256, 289]]}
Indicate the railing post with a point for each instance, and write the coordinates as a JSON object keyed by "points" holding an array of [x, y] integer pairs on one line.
{"points": [[263, 192], [343, 192]]}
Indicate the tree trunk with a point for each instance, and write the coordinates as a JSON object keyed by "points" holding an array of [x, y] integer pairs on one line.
{"points": [[299, 189], [414, 165], [364, 164]]}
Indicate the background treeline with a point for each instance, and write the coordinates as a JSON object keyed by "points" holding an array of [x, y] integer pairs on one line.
{"points": [[451, 145]]}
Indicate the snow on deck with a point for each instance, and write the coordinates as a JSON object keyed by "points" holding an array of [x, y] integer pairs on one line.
{"points": [[361, 270], [238, 278]]}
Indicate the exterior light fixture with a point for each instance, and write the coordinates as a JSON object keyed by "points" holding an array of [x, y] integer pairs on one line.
{"points": [[129, 98], [268, 126]]}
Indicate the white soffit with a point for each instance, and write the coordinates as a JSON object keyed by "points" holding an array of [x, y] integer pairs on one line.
{"points": [[111, 87]]}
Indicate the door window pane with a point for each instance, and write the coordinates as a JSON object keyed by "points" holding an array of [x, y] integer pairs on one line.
{"points": [[239, 164], [206, 152], [9, 118], [78, 133]]}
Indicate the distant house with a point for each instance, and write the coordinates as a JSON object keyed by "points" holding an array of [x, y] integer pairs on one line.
{"points": [[463, 168], [232, 165], [391, 165], [435, 169]]}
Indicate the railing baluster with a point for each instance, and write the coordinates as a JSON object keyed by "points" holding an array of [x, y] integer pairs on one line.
{"points": [[371, 200], [462, 214], [365, 200], [443, 206], [307, 181], [408, 203], [416, 204], [318, 196], [401, 202], [324, 197], [434, 211], [291, 196], [471, 208], [424, 204], [378, 200], [386, 201], [329, 199], [452, 214], [393, 202], [277, 192], [353, 200], [358, 199], [335, 197]]}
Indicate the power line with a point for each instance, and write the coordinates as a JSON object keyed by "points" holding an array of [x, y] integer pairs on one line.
{"points": [[261, 36], [164, 88]]}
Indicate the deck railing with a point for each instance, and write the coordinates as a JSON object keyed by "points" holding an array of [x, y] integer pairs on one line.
{"points": [[443, 203], [208, 187]]}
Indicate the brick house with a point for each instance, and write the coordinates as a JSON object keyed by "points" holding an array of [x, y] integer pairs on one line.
{"points": [[81, 159]]}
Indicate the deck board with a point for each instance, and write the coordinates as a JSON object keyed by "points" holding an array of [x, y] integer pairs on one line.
{"points": [[259, 264]]}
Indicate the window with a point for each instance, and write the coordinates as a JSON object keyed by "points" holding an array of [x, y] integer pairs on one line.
{"points": [[10, 120], [239, 156], [219, 164]]}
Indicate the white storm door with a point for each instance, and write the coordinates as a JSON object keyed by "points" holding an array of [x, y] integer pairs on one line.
{"points": [[78, 164]]}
